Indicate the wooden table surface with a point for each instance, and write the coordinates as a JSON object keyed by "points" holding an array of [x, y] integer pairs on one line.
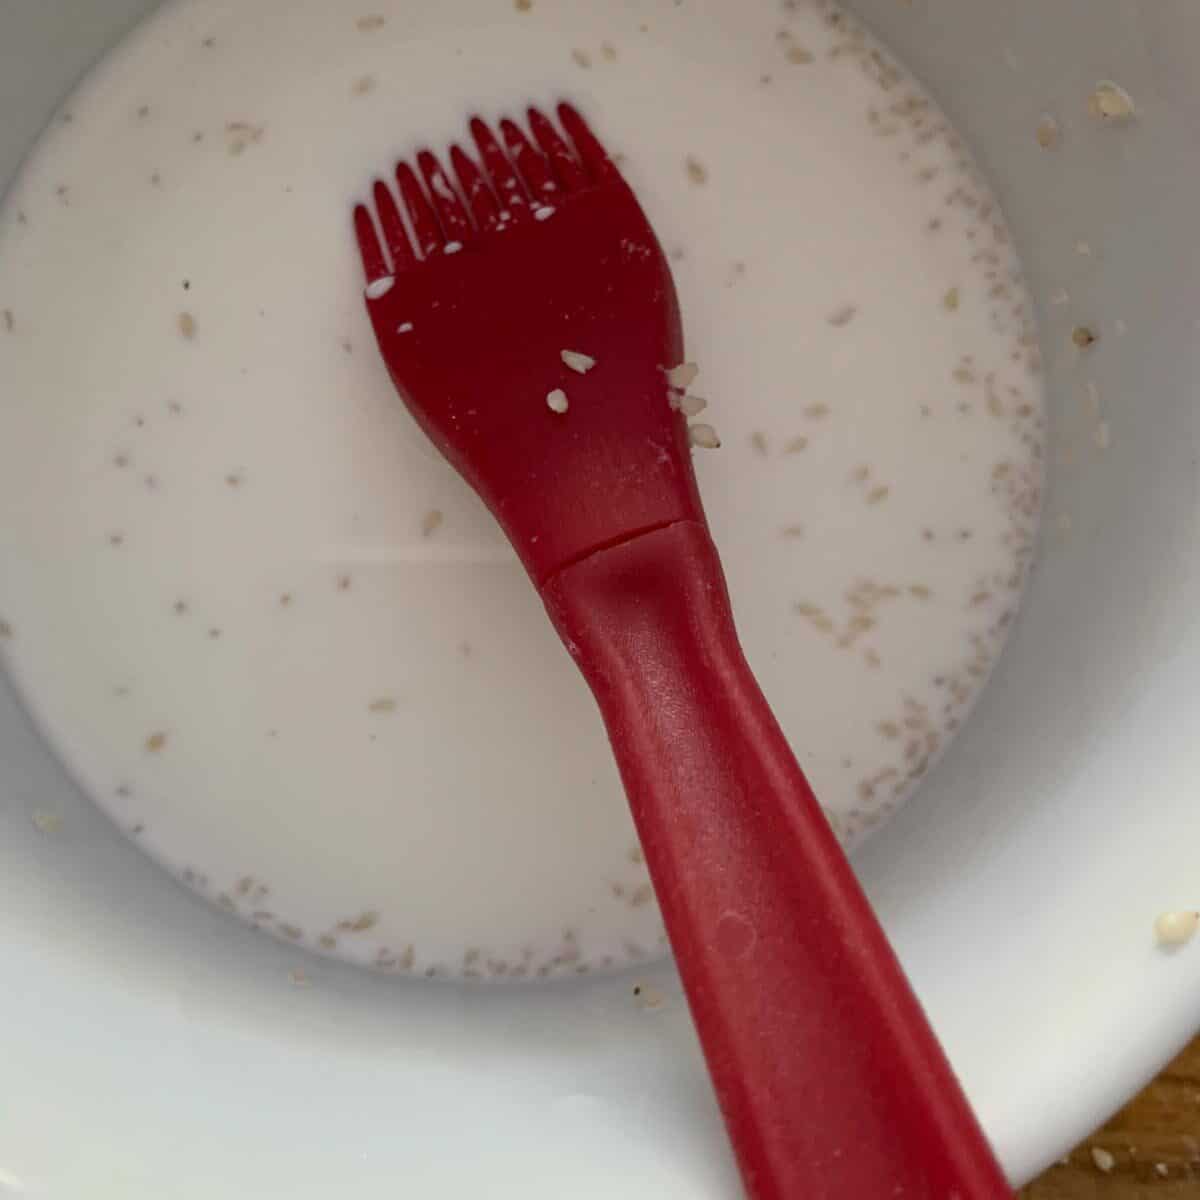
{"points": [[1154, 1143]]}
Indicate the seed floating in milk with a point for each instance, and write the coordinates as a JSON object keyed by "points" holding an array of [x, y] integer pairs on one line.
{"points": [[1111, 102], [697, 172], [1048, 133], [46, 822]]}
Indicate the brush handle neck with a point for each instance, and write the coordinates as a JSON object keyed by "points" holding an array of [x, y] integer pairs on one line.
{"points": [[830, 1079]]}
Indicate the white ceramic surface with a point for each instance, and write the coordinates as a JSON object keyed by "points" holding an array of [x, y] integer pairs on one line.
{"points": [[151, 1048]]}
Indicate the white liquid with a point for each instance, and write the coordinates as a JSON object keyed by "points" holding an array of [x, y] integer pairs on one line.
{"points": [[221, 585]]}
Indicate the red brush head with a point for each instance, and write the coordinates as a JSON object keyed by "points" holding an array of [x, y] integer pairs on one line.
{"points": [[533, 347]]}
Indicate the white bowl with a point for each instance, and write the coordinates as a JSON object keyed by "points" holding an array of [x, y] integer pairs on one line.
{"points": [[153, 1048]]}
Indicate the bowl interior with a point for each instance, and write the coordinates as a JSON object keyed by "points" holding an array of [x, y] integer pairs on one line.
{"points": [[1020, 886]]}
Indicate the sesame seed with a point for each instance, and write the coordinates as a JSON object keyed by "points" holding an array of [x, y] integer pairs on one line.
{"points": [[577, 361], [1048, 133], [697, 172], [1103, 1160], [1175, 928], [557, 401], [360, 924], [452, 247], [380, 287], [703, 436], [544, 212], [46, 822], [683, 376], [1110, 102], [689, 405]]}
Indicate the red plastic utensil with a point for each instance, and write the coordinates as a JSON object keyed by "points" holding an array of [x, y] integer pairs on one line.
{"points": [[830, 1080]]}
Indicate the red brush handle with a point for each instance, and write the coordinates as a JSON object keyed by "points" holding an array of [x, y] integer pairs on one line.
{"points": [[831, 1081]]}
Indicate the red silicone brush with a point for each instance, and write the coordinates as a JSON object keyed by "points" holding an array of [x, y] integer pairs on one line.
{"points": [[830, 1080]]}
